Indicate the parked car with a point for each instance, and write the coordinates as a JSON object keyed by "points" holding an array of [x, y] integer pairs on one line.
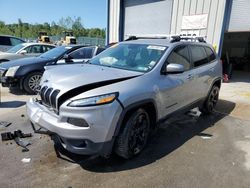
{"points": [[26, 73], [115, 100], [7, 42], [25, 50]]}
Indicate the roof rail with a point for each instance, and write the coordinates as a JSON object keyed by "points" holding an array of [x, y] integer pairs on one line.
{"points": [[188, 37], [145, 37], [172, 38]]}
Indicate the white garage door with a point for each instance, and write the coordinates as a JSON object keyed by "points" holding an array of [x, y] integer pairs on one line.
{"points": [[147, 17], [240, 16]]}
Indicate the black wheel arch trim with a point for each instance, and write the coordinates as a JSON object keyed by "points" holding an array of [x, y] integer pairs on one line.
{"points": [[130, 107], [214, 81]]}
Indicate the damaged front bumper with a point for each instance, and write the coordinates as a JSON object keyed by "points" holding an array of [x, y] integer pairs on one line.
{"points": [[9, 81], [96, 134]]}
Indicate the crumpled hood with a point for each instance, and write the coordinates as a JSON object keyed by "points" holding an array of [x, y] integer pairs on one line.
{"points": [[68, 77], [23, 61]]}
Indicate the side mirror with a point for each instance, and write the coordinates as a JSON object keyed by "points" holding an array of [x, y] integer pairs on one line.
{"points": [[50, 63], [65, 56], [23, 52], [173, 69]]}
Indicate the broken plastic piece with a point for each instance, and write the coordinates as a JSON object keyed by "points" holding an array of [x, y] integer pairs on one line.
{"points": [[7, 136], [5, 123], [26, 160]]}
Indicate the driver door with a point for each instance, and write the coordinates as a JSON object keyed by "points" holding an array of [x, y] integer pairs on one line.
{"points": [[177, 89]]}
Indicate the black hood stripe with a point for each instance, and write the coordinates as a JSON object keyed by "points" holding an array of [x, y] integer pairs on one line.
{"points": [[78, 90]]}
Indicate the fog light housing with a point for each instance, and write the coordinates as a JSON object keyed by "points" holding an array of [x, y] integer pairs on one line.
{"points": [[78, 122]]}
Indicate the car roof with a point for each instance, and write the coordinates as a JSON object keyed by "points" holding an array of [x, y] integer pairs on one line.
{"points": [[161, 42], [12, 37], [36, 43]]}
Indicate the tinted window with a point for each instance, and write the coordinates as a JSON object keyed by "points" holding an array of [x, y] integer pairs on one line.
{"points": [[199, 56], [5, 41], [180, 56], [15, 41], [46, 48], [210, 54], [83, 53], [99, 50], [34, 49]]}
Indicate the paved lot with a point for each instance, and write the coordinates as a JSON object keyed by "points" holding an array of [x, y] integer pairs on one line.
{"points": [[187, 151]]}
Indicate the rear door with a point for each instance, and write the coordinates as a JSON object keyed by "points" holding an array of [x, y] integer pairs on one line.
{"points": [[201, 70]]}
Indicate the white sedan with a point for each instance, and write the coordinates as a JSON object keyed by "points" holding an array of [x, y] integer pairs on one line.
{"points": [[25, 50]]}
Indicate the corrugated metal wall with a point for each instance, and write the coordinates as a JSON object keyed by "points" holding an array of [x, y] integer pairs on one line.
{"points": [[215, 10], [240, 16]]}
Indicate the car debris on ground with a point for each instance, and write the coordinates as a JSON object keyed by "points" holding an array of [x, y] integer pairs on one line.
{"points": [[17, 135], [26, 160]]}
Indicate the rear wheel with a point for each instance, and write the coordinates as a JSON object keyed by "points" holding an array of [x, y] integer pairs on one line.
{"points": [[31, 82], [211, 101], [133, 138]]}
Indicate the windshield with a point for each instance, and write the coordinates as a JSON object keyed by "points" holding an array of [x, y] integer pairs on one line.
{"points": [[135, 57], [15, 48], [55, 53]]}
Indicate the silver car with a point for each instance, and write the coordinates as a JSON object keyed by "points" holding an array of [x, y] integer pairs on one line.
{"points": [[25, 50], [115, 100]]}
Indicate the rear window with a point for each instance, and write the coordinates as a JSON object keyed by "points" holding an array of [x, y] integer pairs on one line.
{"points": [[210, 54], [5, 41], [15, 41], [199, 56]]}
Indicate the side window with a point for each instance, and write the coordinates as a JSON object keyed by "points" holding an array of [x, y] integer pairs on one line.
{"points": [[180, 56], [99, 50], [199, 56], [15, 41], [210, 54], [82, 53], [5, 41], [46, 48], [34, 49]]}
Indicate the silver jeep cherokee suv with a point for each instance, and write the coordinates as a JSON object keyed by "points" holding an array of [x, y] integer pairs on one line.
{"points": [[116, 99]]}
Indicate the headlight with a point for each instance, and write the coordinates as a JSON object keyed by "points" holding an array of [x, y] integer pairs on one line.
{"points": [[12, 71], [92, 101]]}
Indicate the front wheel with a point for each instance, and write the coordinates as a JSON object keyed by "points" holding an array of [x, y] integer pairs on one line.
{"points": [[133, 138], [31, 82], [211, 100]]}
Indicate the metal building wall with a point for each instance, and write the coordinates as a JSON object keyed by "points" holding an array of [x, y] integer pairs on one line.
{"points": [[215, 10], [114, 19]]}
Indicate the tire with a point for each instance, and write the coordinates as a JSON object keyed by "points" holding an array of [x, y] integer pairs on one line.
{"points": [[3, 60], [211, 101], [31, 82], [133, 137]]}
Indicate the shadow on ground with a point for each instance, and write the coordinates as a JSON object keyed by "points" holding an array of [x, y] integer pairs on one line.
{"points": [[12, 104], [171, 135], [240, 76], [17, 91]]}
